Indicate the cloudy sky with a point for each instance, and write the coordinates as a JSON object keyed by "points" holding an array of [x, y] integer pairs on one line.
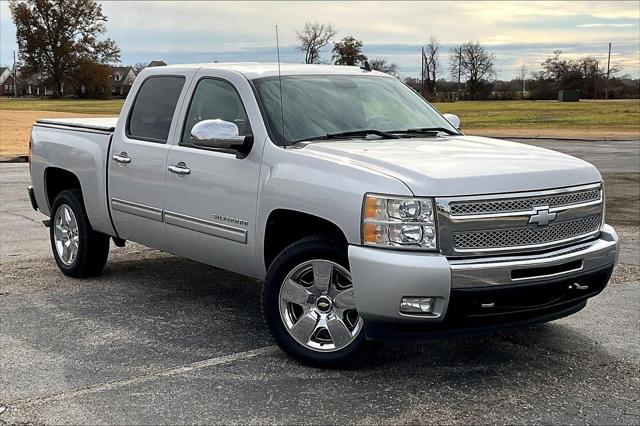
{"points": [[518, 33]]}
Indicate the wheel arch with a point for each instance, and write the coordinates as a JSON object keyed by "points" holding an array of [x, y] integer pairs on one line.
{"points": [[57, 180], [285, 226]]}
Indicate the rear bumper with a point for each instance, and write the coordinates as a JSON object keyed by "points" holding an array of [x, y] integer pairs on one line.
{"points": [[485, 293]]}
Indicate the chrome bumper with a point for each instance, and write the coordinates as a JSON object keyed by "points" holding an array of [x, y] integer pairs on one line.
{"points": [[382, 277], [562, 263]]}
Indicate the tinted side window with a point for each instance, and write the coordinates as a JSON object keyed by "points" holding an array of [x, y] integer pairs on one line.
{"points": [[215, 99], [153, 109]]}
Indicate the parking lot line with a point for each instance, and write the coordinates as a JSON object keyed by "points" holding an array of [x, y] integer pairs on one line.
{"points": [[168, 372]]}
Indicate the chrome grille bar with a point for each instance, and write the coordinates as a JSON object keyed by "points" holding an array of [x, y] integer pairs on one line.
{"points": [[523, 237], [523, 204], [518, 222]]}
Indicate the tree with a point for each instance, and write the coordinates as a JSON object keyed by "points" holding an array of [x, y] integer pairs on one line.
{"points": [[56, 36], [382, 65], [138, 66], [312, 39], [431, 64], [554, 67], [90, 79], [475, 63], [348, 51], [584, 74]]}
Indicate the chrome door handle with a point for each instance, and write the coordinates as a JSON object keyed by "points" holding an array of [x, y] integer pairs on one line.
{"points": [[122, 158], [180, 169]]}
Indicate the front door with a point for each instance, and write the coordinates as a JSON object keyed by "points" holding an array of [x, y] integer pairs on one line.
{"points": [[138, 162], [210, 195]]}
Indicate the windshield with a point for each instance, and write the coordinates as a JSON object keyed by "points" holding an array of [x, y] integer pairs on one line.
{"points": [[320, 105]]}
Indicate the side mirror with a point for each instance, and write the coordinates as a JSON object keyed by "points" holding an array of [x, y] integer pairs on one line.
{"points": [[220, 134], [453, 119]]}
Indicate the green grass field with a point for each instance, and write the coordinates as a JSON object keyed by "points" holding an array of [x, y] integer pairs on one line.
{"points": [[620, 115], [82, 106]]}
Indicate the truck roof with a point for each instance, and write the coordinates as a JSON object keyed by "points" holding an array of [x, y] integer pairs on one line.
{"points": [[252, 70]]}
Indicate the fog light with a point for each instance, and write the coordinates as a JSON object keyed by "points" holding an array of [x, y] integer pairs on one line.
{"points": [[416, 305]]}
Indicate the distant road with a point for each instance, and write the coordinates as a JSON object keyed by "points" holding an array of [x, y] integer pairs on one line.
{"points": [[608, 157]]}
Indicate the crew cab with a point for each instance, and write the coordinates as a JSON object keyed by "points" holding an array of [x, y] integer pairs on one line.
{"points": [[367, 214]]}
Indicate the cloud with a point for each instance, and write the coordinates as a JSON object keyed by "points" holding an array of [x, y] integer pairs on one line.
{"points": [[517, 32], [606, 25]]}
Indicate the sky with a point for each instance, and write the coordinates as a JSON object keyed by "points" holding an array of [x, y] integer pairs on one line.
{"points": [[517, 33]]}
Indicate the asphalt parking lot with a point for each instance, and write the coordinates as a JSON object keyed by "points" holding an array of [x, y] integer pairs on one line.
{"points": [[159, 339]]}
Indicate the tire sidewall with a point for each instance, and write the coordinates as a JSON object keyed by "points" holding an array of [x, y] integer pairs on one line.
{"points": [[73, 200], [297, 253]]}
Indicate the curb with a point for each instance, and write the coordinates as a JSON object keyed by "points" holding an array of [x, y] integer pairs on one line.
{"points": [[15, 159]]}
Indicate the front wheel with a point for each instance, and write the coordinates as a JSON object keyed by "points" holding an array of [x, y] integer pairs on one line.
{"points": [[78, 250], [309, 306]]}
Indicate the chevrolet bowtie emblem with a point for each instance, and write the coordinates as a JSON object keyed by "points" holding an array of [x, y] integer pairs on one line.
{"points": [[542, 217]]}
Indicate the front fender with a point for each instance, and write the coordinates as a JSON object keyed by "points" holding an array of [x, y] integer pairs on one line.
{"points": [[321, 185]]}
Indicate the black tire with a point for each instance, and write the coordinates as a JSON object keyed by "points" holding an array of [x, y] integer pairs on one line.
{"points": [[316, 247], [93, 247]]}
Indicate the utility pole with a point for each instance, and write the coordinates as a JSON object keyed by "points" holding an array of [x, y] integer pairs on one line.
{"points": [[606, 82], [15, 76], [595, 82], [459, 69]]}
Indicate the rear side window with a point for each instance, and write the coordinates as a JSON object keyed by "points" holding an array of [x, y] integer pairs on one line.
{"points": [[153, 108]]}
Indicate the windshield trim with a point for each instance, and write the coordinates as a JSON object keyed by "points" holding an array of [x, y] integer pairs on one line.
{"points": [[288, 143]]}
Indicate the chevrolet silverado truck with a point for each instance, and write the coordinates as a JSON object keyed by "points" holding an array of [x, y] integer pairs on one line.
{"points": [[368, 215]]}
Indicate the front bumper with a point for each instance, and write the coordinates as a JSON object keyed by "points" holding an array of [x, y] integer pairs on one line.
{"points": [[505, 288]]}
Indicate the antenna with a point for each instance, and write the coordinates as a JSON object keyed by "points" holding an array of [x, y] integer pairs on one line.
{"points": [[284, 139]]}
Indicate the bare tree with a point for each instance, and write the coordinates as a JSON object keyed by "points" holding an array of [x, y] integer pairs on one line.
{"points": [[475, 63], [522, 75], [312, 39], [138, 66], [382, 65], [431, 64]]}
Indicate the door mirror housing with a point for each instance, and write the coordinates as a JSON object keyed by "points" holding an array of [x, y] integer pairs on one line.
{"points": [[453, 119], [220, 134]]}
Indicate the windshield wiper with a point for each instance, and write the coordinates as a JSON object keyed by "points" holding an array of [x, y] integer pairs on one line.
{"points": [[431, 130], [355, 133]]}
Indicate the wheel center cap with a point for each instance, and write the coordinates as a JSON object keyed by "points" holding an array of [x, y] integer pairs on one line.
{"points": [[324, 304]]}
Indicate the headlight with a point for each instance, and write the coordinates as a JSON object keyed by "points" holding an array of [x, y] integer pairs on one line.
{"points": [[398, 222]]}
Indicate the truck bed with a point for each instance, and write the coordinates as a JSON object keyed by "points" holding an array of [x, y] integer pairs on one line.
{"points": [[103, 124], [79, 146]]}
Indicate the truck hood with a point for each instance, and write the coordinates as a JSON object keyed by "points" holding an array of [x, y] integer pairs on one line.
{"points": [[462, 165]]}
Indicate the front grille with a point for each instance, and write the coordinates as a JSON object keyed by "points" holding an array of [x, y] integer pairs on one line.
{"points": [[518, 237], [523, 204]]}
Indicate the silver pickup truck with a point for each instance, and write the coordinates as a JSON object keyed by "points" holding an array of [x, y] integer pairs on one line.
{"points": [[367, 214]]}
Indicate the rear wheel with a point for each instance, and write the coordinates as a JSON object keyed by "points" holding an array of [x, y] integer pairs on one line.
{"points": [[309, 306], [78, 250]]}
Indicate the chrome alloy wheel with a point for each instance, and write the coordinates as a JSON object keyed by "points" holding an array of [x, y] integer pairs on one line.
{"points": [[317, 306], [65, 234]]}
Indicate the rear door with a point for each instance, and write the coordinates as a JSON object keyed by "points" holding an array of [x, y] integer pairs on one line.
{"points": [[210, 211], [138, 158]]}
